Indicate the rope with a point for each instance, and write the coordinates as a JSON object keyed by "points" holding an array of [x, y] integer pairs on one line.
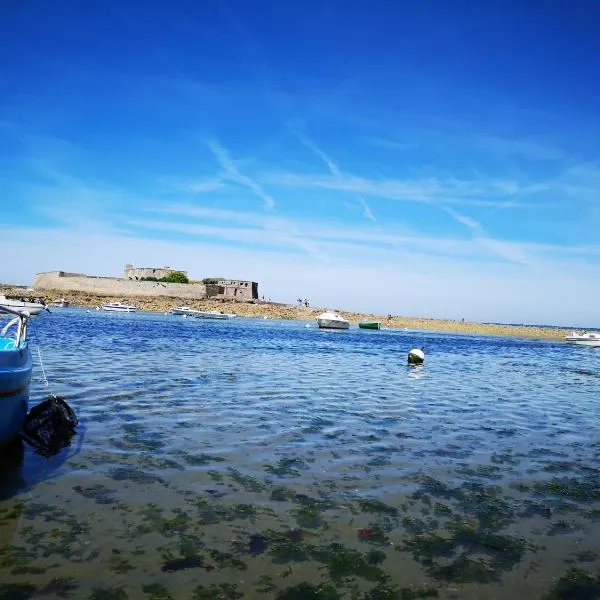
{"points": [[39, 353], [46, 383]]}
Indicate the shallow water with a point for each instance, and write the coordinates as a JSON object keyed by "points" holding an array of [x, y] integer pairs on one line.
{"points": [[267, 459]]}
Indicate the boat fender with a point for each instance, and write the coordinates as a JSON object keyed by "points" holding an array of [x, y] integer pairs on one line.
{"points": [[416, 357]]}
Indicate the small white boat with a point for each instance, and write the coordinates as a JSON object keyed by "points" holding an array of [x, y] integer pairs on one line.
{"points": [[183, 310], [59, 303], [118, 307], [34, 306], [584, 338], [331, 320]]}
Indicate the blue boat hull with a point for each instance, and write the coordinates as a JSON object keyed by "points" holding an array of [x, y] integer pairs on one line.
{"points": [[15, 375]]}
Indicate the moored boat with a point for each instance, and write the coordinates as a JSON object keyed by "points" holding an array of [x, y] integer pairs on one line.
{"points": [[183, 310], [118, 307], [34, 306], [16, 365], [584, 338], [331, 320], [212, 314], [370, 325], [59, 303]]}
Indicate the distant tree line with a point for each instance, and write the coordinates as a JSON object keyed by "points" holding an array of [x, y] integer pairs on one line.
{"points": [[174, 277]]}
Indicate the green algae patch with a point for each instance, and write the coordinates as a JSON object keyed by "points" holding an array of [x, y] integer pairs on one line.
{"points": [[286, 467], [342, 563], [583, 489], [200, 460], [377, 507]]}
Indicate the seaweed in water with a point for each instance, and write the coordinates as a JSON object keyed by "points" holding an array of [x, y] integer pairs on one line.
{"points": [[109, 594], [221, 591], [16, 591], [307, 591], [342, 562], [62, 587], [386, 591], [575, 585], [257, 544], [156, 591]]}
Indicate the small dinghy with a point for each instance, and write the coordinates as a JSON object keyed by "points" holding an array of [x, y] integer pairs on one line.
{"points": [[370, 325]]}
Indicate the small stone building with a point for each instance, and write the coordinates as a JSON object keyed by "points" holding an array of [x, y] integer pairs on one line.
{"points": [[137, 273], [237, 290]]}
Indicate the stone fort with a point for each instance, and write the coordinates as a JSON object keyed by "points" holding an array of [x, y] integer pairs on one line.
{"points": [[131, 285]]}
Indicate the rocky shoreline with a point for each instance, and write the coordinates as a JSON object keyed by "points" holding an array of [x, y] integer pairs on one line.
{"points": [[273, 310]]}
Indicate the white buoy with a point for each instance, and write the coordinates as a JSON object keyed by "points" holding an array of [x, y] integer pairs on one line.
{"points": [[307, 325], [416, 357]]}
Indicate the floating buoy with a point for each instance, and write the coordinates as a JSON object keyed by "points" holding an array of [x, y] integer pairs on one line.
{"points": [[416, 357], [307, 325]]}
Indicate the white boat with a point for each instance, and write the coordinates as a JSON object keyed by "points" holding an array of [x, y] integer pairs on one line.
{"points": [[118, 307], [183, 310], [211, 314], [34, 306], [331, 320], [584, 338], [59, 303]]}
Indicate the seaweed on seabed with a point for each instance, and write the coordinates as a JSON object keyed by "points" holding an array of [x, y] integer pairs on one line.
{"points": [[112, 593], [16, 591], [308, 591], [577, 584], [217, 591], [388, 591], [342, 562], [156, 591]]}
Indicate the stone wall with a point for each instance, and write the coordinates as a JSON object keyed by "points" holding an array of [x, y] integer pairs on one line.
{"points": [[135, 273], [112, 286]]}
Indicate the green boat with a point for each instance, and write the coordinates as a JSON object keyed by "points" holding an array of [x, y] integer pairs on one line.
{"points": [[370, 325]]}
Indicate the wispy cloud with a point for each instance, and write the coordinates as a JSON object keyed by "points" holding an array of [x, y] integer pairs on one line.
{"points": [[430, 191], [366, 210], [232, 172], [331, 165]]}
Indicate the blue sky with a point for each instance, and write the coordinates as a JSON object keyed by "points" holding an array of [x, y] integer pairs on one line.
{"points": [[418, 158]]}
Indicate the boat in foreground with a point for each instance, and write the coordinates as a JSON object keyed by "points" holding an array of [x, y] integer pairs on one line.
{"points": [[16, 365], [370, 325], [584, 339], [34, 306], [118, 307], [331, 320]]}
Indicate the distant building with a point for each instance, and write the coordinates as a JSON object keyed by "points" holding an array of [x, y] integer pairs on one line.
{"points": [[131, 284], [138, 273], [236, 289]]}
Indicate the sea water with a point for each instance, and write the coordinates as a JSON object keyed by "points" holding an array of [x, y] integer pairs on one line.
{"points": [[257, 458]]}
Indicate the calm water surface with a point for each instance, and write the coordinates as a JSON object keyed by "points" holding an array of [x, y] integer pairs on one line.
{"points": [[268, 459]]}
